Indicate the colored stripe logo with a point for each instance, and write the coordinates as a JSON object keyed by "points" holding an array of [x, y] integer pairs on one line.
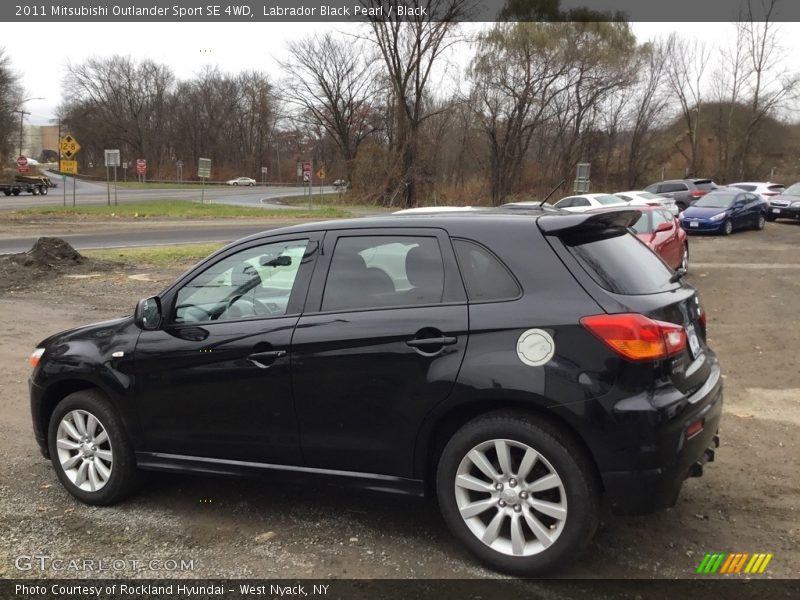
{"points": [[736, 562]]}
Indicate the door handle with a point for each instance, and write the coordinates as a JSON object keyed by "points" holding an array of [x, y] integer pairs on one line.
{"points": [[440, 341], [265, 359]]}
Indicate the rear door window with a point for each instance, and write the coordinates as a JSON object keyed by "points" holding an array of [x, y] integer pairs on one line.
{"points": [[620, 263]]}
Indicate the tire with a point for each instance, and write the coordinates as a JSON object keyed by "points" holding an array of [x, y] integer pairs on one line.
{"points": [[762, 221], [236, 184], [7, 192], [570, 491], [251, 184], [118, 476], [16, 192], [35, 191], [43, 190], [727, 227], [685, 258]]}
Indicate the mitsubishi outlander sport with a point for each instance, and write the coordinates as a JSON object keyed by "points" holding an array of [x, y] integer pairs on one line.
{"points": [[520, 366]]}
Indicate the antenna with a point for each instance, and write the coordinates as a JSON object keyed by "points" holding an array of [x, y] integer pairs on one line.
{"points": [[553, 191]]}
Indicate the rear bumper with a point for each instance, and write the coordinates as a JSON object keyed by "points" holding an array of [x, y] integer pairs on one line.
{"points": [[645, 491]]}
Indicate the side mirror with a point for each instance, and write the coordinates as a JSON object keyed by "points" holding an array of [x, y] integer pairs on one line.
{"points": [[148, 313]]}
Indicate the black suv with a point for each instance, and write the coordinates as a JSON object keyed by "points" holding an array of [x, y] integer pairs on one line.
{"points": [[517, 364], [684, 191]]}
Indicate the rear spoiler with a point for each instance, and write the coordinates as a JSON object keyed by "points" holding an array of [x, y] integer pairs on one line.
{"points": [[609, 218]]}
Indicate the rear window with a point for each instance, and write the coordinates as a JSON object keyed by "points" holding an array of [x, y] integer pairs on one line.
{"points": [[620, 263], [745, 187], [607, 199], [705, 184], [776, 188]]}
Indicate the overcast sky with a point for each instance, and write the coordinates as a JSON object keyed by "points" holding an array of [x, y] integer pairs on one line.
{"points": [[186, 47]]}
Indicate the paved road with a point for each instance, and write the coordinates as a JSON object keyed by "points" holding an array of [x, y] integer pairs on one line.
{"points": [[88, 192], [120, 237]]}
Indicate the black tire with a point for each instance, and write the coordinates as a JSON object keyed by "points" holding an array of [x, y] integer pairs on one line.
{"points": [[34, 190], [727, 227], [16, 192], [123, 477], [236, 184], [43, 190], [762, 221], [562, 455], [7, 192], [685, 258]]}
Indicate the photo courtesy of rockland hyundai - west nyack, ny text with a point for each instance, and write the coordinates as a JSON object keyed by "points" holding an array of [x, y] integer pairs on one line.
{"points": [[399, 299]]}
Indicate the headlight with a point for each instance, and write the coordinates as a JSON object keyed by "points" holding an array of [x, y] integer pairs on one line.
{"points": [[718, 217], [36, 357], [795, 204], [680, 215]]}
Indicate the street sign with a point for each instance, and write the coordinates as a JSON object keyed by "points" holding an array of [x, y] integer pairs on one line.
{"points": [[307, 166], [178, 163], [299, 168], [69, 146], [307, 177], [141, 166], [264, 170], [321, 174], [112, 158], [22, 164], [204, 168], [582, 182], [69, 166], [125, 165]]}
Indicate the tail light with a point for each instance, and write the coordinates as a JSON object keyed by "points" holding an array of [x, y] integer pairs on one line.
{"points": [[636, 337], [698, 193], [771, 193]]}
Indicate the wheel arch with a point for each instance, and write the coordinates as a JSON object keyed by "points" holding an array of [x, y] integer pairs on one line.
{"points": [[430, 446], [57, 392]]}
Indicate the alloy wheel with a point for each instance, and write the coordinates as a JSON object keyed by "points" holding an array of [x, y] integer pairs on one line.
{"points": [[84, 450], [510, 497]]}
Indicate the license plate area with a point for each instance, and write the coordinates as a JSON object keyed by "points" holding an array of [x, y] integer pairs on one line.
{"points": [[694, 224], [694, 342], [776, 211]]}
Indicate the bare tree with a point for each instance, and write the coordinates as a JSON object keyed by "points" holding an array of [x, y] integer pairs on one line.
{"points": [[10, 96], [333, 82], [410, 47], [686, 62]]}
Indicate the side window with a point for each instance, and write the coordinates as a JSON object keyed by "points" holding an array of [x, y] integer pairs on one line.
{"points": [[673, 187], [653, 189], [486, 278], [382, 271], [581, 202], [565, 203], [660, 217], [255, 282]]}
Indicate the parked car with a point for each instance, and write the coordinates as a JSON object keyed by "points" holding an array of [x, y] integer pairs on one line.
{"points": [[241, 181], [764, 189], [642, 198], [517, 363], [663, 234], [583, 202], [725, 210], [786, 205], [684, 191]]}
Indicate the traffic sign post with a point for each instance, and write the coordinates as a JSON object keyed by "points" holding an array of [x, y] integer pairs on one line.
{"points": [[308, 168], [179, 167], [321, 177], [22, 164], [264, 172], [203, 172], [112, 158]]}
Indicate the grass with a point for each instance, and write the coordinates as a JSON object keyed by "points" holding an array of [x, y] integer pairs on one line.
{"points": [[175, 209], [159, 256], [138, 185]]}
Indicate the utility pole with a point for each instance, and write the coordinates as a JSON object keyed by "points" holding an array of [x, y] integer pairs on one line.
{"points": [[22, 114]]}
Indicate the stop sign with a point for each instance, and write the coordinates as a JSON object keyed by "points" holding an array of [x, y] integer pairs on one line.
{"points": [[141, 166], [22, 164]]}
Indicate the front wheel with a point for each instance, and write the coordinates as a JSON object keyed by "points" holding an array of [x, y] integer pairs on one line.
{"points": [[761, 223], [89, 449], [518, 493], [727, 227]]}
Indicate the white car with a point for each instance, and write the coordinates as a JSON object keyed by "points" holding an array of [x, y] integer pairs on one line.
{"points": [[241, 181], [583, 202], [642, 198], [765, 189]]}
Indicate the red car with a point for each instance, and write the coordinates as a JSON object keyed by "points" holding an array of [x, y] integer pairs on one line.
{"points": [[664, 235]]}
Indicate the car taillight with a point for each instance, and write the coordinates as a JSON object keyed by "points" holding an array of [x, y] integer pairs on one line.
{"points": [[698, 194], [636, 337], [770, 193], [694, 428]]}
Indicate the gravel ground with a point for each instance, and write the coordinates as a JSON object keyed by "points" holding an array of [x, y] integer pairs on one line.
{"points": [[747, 501]]}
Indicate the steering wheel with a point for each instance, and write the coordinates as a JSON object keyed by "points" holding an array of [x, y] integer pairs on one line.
{"points": [[258, 307]]}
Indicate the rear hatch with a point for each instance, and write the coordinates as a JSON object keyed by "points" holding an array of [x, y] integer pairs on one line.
{"points": [[624, 276]]}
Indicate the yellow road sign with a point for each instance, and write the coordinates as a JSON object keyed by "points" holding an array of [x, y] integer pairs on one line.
{"points": [[69, 166], [69, 146], [321, 174]]}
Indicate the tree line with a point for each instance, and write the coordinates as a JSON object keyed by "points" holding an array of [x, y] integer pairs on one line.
{"points": [[396, 110]]}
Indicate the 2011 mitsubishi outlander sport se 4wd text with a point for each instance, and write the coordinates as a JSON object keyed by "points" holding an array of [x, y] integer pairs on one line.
{"points": [[520, 365]]}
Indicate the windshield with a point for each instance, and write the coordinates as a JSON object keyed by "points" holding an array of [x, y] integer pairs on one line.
{"points": [[607, 199], [715, 200], [793, 190]]}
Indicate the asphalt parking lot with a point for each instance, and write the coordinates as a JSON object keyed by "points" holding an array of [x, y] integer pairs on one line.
{"points": [[747, 501]]}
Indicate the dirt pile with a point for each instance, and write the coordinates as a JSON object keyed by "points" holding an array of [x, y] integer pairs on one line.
{"points": [[49, 257]]}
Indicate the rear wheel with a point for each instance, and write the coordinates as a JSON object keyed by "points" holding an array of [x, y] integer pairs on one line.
{"points": [[518, 493], [34, 190], [7, 192], [89, 449], [727, 227], [43, 190], [685, 258]]}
